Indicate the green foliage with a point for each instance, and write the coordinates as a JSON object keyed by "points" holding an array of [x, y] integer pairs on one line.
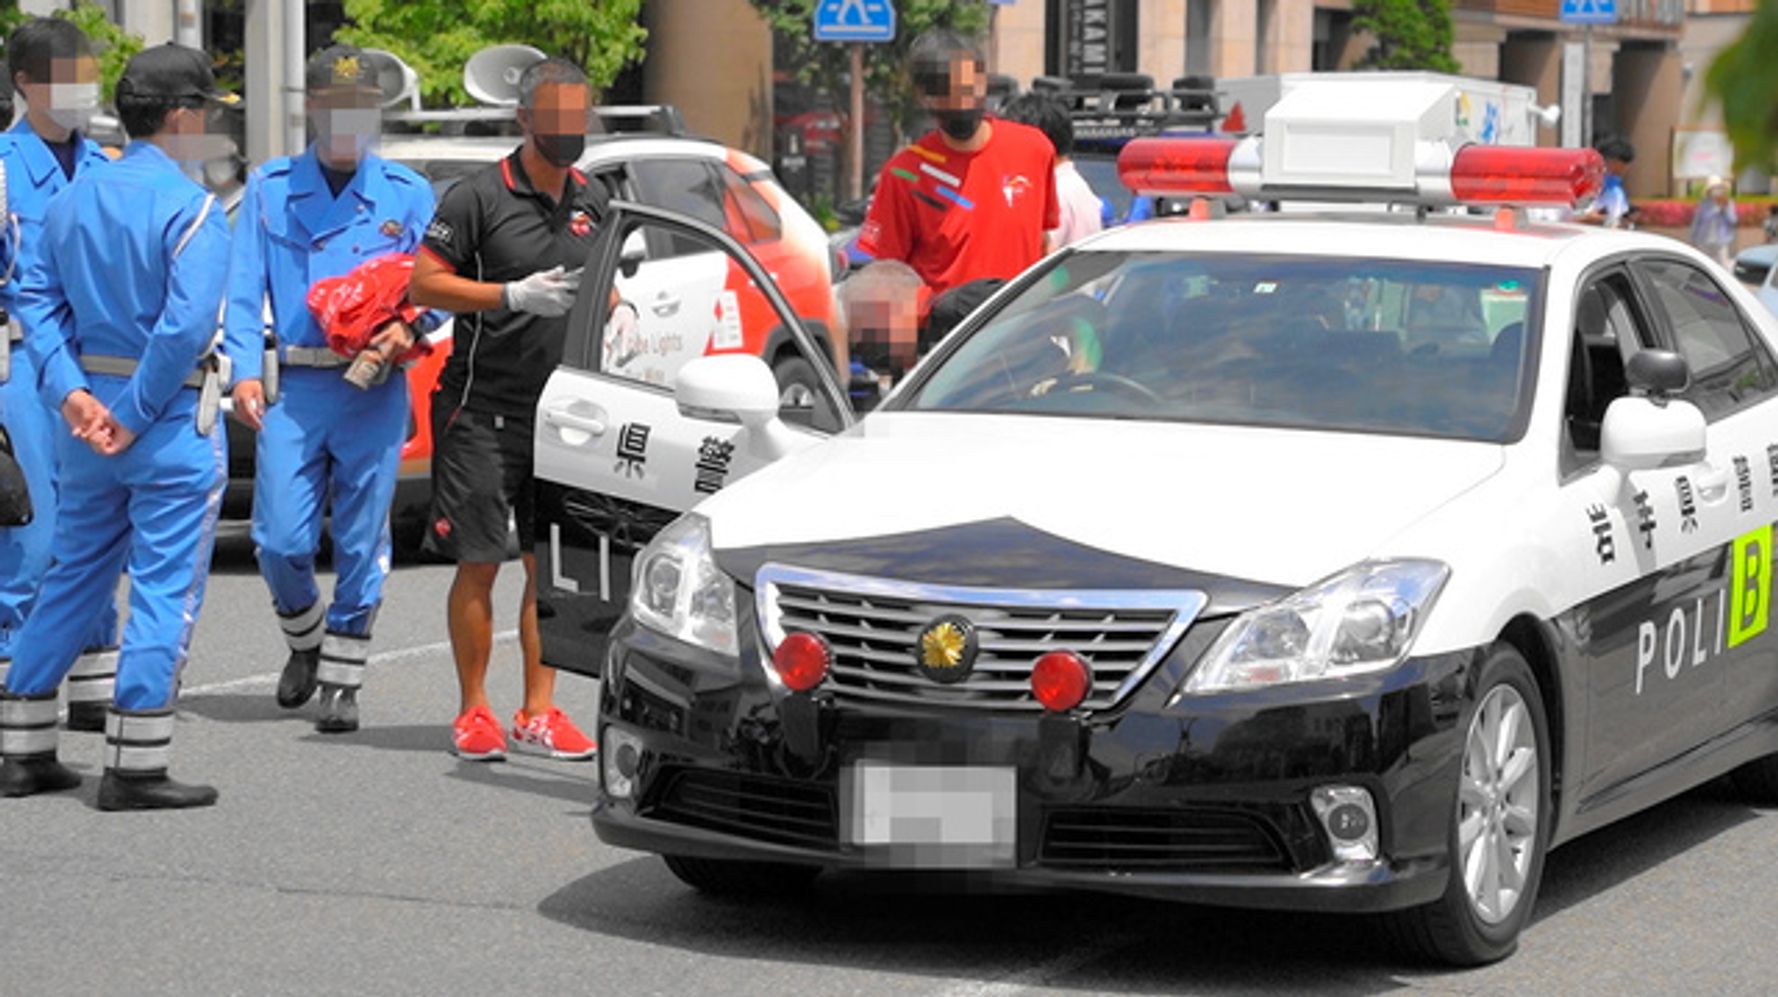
{"points": [[1744, 78], [437, 37], [1407, 34], [825, 65], [114, 45]]}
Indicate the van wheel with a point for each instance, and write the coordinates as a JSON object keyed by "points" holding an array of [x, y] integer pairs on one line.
{"points": [[1758, 781], [727, 878], [1499, 827], [798, 385]]}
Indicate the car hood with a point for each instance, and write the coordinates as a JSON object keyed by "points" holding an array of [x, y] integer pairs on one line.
{"points": [[1050, 502]]}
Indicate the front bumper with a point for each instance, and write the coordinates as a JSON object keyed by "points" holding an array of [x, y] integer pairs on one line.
{"points": [[1204, 801]]}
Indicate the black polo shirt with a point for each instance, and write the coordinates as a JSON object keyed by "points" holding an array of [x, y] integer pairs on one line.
{"points": [[494, 226]]}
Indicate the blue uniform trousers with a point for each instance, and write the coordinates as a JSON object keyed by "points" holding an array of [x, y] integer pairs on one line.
{"points": [[325, 438], [25, 550], [151, 511]]}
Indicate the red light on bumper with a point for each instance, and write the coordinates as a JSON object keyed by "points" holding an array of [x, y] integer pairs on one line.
{"points": [[1060, 681], [801, 661], [1177, 165], [1510, 175]]}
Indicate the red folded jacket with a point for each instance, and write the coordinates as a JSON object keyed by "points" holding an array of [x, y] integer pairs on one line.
{"points": [[350, 309]]}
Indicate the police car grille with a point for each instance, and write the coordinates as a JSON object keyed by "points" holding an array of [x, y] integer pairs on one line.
{"points": [[766, 809], [874, 639], [1158, 840]]}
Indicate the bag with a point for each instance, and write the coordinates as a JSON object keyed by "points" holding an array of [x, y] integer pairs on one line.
{"points": [[15, 494]]}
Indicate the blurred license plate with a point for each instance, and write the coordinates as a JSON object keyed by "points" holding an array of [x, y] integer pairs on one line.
{"points": [[932, 816]]}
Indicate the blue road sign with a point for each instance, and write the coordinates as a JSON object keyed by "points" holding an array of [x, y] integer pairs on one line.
{"points": [[1589, 11], [855, 21]]}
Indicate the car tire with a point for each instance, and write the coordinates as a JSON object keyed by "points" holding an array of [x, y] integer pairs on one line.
{"points": [[1757, 781], [728, 878], [796, 376], [1472, 926]]}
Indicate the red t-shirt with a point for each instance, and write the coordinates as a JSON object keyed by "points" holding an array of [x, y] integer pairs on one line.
{"points": [[956, 216]]}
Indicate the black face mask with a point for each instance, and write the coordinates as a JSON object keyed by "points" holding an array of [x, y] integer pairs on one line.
{"points": [[959, 125], [561, 150]]}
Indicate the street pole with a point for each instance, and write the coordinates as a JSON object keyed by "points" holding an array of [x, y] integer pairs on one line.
{"points": [[188, 23], [855, 168], [1586, 87], [295, 54]]}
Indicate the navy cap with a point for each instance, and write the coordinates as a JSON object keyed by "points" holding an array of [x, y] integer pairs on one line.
{"points": [[171, 71]]}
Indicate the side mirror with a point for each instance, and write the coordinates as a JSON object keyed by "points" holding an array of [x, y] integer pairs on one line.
{"points": [[1640, 434], [1658, 373], [632, 255], [735, 387]]}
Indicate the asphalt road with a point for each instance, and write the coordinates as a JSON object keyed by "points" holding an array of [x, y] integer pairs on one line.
{"points": [[377, 863]]}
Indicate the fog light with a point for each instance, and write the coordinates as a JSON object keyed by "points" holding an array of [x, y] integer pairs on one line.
{"points": [[622, 755], [801, 660], [1349, 816]]}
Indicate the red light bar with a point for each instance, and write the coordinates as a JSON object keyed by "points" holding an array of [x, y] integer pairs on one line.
{"points": [[1177, 165], [1512, 175]]}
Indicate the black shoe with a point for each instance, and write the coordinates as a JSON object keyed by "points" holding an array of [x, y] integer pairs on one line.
{"points": [[88, 717], [297, 683], [30, 776], [128, 792], [339, 710]]}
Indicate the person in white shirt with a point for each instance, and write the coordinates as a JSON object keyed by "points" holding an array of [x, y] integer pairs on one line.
{"points": [[1080, 214]]}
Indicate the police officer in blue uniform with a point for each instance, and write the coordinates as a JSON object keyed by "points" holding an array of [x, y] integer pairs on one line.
{"points": [[121, 310], [305, 219], [54, 69]]}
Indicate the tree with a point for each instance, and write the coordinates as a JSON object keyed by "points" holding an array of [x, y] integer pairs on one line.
{"points": [[437, 37], [1744, 77], [824, 65], [1407, 34]]}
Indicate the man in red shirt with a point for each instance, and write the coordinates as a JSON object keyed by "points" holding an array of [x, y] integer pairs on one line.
{"points": [[972, 199]]}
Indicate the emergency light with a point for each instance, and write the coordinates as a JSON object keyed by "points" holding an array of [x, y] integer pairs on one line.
{"points": [[1369, 140]]}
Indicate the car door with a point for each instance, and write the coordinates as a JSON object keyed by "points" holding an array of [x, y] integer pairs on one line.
{"points": [[1648, 549], [1735, 384], [616, 460]]}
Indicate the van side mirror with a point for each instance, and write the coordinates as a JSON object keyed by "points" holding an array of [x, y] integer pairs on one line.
{"points": [[632, 255], [1642, 433], [1658, 373], [735, 387]]}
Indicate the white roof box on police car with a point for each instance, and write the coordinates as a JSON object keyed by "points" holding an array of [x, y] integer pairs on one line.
{"points": [[1356, 131], [1487, 112]]}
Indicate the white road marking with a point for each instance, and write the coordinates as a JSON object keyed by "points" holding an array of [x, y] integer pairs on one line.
{"points": [[385, 658], [1013, 983]]}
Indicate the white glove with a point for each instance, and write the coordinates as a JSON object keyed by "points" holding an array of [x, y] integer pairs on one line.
{"points": [[548, 293]]}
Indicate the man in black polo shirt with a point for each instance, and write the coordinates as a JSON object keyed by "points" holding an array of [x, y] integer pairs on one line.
{"points": [[504, 253]]}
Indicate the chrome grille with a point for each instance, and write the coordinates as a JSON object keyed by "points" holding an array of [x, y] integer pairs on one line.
{"points": [[873, 626]]}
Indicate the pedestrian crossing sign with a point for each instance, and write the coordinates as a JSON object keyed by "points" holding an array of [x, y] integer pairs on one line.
{"points": [[854, 21], [1589, 11]]}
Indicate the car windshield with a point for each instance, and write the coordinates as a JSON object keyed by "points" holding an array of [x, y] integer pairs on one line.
{"points": [[1347, 344]]}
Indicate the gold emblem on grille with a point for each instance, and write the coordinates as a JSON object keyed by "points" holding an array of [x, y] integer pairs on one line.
{"points": [[947, 649], [941, 646]]}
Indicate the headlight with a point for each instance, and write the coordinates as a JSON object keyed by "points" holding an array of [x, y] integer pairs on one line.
{"points": [[1363, 619], [678, 590]]}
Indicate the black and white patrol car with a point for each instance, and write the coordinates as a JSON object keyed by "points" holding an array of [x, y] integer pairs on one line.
{"points": [[1335, 561]]}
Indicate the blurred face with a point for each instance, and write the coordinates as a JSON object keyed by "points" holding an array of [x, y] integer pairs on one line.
{"points": [[346, 121], [955, 93], [194, 135], [556, 122], [70, 96], [883, 315]]}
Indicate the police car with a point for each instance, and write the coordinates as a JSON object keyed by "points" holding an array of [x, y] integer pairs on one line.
{"points": [[1342, 561]]}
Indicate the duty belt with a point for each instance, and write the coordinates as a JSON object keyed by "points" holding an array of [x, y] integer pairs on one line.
{"points": [[313, 356], [207, 379], [15, 333]]}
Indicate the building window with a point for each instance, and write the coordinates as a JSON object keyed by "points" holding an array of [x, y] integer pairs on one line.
{"points": [[1199, 16], [1267, 12]]}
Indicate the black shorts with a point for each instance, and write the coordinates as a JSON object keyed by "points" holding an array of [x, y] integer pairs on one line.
{"points": [[484, 494]]}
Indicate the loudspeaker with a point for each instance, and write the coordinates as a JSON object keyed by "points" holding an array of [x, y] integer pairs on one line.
{"points": [[492, 75], [395, 78]]}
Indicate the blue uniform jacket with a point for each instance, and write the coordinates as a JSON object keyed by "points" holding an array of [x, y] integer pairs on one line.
{"points": [[291, 232], [107, 281], [33, 177]]}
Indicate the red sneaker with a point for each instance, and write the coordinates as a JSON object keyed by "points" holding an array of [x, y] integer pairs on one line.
{"points": [[553, 734], [476, 736]]}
